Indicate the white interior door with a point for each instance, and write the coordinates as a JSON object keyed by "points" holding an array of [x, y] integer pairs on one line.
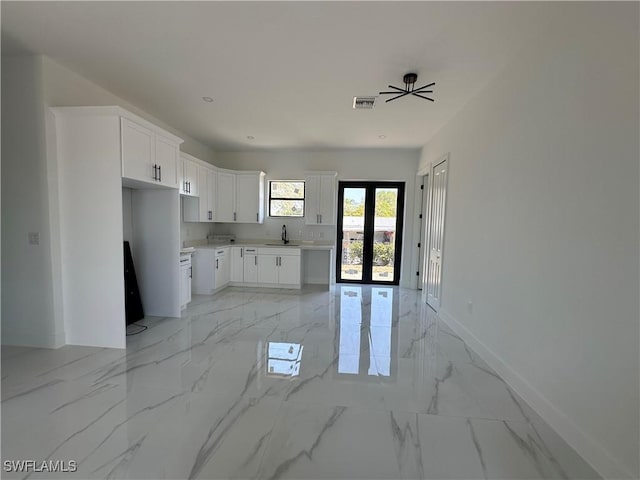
{"points": [[436, 236]]}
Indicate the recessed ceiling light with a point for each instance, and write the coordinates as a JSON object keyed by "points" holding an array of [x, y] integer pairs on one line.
{"points": [[382, 137], [207, 99], [250, 137]]}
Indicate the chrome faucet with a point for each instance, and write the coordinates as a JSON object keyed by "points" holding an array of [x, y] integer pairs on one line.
{"points": [[285, 240]]}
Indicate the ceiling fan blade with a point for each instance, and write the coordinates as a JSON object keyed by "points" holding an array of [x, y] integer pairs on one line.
{"points": [[399, 96], [422, 91], [426, 98], [390, 93], [426, 86], [398, 88]]}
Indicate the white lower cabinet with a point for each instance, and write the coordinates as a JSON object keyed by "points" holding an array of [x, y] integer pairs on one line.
{"points": [[213, 269], [204, 269], [280, 266], [185, 280], [289, 270], [267, 269], [210, 270], [237, 264], [223, 272], [250, 265]]}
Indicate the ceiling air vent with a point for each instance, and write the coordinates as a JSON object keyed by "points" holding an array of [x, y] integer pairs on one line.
{"points": [[363, 102]]}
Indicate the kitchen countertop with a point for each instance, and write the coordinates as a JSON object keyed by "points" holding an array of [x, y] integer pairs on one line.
{"points": [[303, 245]]}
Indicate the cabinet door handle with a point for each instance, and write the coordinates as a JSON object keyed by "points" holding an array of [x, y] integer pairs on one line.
{"points": [[216, 264], [256, 260], [257, 217], [276, 261], [190, 272], [234, 216], [155, 171], [159, 173], [241, 252], [320, 218]]}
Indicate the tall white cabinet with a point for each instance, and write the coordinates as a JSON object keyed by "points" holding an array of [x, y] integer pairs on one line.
{"points": [[95, 151], [320, 198]]}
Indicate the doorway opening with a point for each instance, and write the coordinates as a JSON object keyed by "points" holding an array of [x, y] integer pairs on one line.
{"points": [[370, 216]]}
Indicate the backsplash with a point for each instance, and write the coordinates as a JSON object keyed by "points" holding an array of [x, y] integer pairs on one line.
{"points": [[272, 229], [192, 232]]}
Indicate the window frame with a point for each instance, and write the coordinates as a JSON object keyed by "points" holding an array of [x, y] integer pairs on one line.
{"points": [[303, 199]]}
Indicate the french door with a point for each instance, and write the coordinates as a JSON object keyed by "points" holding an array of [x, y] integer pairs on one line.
{"points": [[370, 232]]}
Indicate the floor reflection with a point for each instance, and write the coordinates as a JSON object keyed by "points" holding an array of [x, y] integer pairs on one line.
{"points": [[284, 359], [367, 341]]}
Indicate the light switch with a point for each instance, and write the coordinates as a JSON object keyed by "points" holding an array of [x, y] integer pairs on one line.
{"points": [[34, 238]]}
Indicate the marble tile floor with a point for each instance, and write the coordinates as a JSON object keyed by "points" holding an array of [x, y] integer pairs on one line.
{"points": [[356, 382]]}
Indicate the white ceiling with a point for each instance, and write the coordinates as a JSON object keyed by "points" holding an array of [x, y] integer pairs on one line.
{"points": [[283, 72]]}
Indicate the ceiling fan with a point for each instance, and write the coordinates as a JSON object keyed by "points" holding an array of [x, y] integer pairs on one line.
{"points": [[409, 88]]}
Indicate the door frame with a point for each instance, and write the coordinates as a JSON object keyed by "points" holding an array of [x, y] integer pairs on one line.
{"points": [[428, 231], [367, 250], [421, 223]]}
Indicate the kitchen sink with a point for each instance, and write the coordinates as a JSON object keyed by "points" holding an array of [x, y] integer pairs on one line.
{"points": [[290, 244]]}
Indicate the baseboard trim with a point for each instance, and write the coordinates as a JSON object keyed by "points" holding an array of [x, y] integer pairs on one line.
{"points": [[594, 453], [316, 281], [36, 340]]}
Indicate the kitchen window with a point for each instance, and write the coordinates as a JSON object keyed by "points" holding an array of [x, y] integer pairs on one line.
{"points": [[286, 198]]}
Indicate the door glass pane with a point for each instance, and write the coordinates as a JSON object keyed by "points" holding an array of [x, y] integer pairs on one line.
{"points": [[352, 233], [384, 234]]}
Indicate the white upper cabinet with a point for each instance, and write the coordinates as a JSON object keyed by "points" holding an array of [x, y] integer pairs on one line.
{"points": [[188, 176], [167, 156], [148, 155], [320, 198], [201, 208], [138, 145], [223, 196], [226, 198], [249, 197], [212, 187]]}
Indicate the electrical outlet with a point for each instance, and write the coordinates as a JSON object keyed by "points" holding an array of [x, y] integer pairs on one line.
{"points": [[34, 238]]}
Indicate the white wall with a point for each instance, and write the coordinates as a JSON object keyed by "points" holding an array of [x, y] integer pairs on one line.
{"points": [[542, 229], [27, 295], [379, 164], [31, 297]]}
